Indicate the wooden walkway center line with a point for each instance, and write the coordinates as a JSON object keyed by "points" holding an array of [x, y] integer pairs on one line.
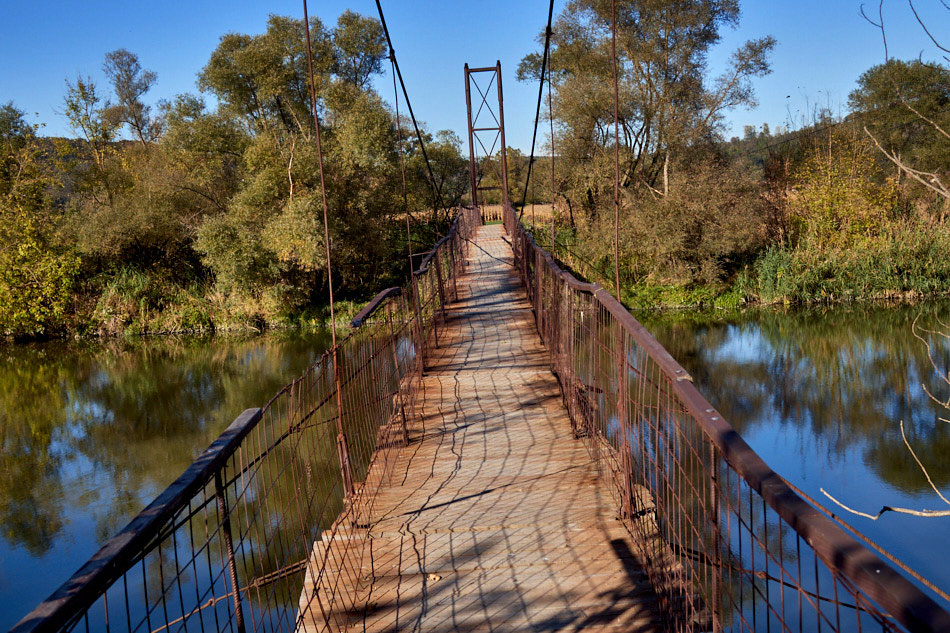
{"points": [[495, 518]]}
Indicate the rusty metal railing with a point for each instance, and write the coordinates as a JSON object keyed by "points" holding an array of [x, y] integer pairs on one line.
{"points": [[726, 543], [231, 543]]}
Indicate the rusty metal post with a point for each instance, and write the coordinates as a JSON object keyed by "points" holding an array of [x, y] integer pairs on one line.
{"points": [[229, 546], [471, 143], [717, 538], [435, 324], [343, 451], [553, 183], [420, 333], [537, 293], [613, 52], [627, 457], [455, 267], [504, 155], [341, 437], [570, 375], [438, 274], [399, 393]]}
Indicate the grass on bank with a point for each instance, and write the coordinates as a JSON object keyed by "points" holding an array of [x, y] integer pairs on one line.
{"points": [[908, 262]]}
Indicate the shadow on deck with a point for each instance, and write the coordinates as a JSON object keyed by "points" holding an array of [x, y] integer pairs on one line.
{"points": [[494, 517]]}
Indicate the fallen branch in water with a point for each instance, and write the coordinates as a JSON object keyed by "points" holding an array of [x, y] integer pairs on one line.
{"points": [[916, 513]]}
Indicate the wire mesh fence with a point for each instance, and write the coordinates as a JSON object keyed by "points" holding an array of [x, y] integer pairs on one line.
{"points": [[281, 498], [727, 544]]}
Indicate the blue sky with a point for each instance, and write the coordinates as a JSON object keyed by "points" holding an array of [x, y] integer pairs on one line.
{"points": [[823, 46]]}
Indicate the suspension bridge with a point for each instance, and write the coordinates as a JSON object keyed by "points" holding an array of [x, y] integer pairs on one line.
{"points": [[511, 450], [497, 446]]}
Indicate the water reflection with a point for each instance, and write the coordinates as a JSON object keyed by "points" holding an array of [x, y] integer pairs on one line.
{"points": [[819, 393], [91, 433]]}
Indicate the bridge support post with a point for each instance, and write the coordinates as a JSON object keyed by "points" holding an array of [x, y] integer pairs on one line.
{"points": [[501, 130], [404, 427], [717, 539], [537, 294], [229, 547], [438, 275], [455, 267], [471, 144], [626, 457], [420, 333], [343, 452]]}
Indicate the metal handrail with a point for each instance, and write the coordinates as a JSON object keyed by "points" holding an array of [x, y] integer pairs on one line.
{"points": [[374, 305], [843, 555], [109, 562]]}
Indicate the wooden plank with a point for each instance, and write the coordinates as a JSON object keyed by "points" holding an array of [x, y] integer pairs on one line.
{"points": [[494, 518]]}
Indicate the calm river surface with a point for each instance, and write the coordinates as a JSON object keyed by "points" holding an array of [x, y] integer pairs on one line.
{"points": [[820, 394], [92, 432]]}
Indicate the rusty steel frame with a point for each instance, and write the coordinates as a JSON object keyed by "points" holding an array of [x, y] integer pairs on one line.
{"points": [[498, 128], [739, 549], [228, 545]]}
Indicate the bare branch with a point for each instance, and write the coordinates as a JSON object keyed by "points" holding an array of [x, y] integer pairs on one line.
{"points": [[944, 377], [924, 470], [879, 24], [914, 110], [875, 517], [924, 27], [930, 180]]}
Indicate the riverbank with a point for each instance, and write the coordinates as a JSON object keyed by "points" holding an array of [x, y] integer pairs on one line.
{"points": [[908, 263], [116, 318]]}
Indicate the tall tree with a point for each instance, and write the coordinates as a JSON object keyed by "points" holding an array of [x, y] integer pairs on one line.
{"points": [[667, 100], [86, 112], [35, 276], [130, 83], [906, 108], [361, 48]]}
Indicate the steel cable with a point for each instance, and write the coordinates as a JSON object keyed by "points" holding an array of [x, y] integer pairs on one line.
{"points": [[537, 114]]}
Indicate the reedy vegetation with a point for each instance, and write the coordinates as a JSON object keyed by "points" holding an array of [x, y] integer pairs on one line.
{"points": [[212, 217]]}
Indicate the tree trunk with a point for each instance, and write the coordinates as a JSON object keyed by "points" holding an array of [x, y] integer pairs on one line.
{"points": [[666, 174]]}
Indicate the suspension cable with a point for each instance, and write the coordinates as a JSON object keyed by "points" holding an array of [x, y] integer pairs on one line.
{"points": [[422, 145], [341, 437], [402, 161], [537, 113], [613, 52], [553, 186]]}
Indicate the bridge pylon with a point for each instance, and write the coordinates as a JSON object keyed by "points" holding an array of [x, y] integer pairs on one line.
{"points": [[486, 131]]}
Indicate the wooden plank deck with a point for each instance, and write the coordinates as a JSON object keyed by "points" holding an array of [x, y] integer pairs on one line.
{"points": [[496, 518]]}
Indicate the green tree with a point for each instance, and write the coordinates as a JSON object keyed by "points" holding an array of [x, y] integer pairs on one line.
{"points": [[905, 107], [35, 276], [130, 83], [86, 112], [360, 48], [841, 194], [668, 103], [263, 79], [267, 248]]}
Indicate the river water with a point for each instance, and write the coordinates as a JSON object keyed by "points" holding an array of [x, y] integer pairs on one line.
{"points": [[92, 432], [820, 394]]}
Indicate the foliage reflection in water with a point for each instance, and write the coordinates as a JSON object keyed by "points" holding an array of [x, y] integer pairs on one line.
{"points": [[819, 393], [92, 432]]}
